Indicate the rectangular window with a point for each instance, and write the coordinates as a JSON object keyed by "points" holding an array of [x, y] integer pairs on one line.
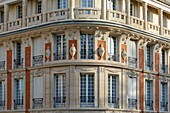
{"points": [[87, 3], [60, 90], [113, 98], [132, 58], [87, 90], [148, 95], [149, 16], [164, 61], [87, 45], [38, 92], [1, 16], [60, 47], [112, 49], [2, 95], [39, 6], [2, 57], [132, 93], [19, 11], [19, 93], [164, 96], [148, 62], [37, 51], [18, 61], [62, 4]]}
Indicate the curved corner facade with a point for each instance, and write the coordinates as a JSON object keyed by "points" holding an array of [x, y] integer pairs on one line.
{"points": [[83, 56]]}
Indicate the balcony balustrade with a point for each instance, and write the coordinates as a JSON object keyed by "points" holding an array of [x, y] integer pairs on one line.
{"points": [[2, 65], [34, 20], [15, 24], [113, 57], [60, 14], [132, 103], [113, 102], [166, 32], [87, 101], [18, 104], [163, 68], [18, 63], [136, 22], [59, 56], [87, 13], [37, 103], [37, 60], [2, 104], [148, 65], [153, 28], [116, 16], [149, 104], [164, 106], [59, 101], [132, 62], [1, 27]]}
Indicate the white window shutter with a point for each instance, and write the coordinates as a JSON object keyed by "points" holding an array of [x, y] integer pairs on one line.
{"points": [[38, 87]]}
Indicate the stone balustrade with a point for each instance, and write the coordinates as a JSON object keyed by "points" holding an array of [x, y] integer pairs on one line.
{"points": [[136, 22], [16, 24], [59, 14], [153, 28], [87, 13], [34, 20]]}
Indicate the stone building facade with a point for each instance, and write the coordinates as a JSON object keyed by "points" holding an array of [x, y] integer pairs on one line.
{"points": [[83, 56]]}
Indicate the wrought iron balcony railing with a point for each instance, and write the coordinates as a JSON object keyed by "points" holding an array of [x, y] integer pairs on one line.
{"points": [[113, 57], [132, 62], [113, 102], [2, 104], [132, 103], [2, 65], [148, 65], [59, 56], [37, 60], [163, 68], [37, 103], [18, 104], [164, 106], [18, 63], [149, 104], [59, 101], [87, 101]]}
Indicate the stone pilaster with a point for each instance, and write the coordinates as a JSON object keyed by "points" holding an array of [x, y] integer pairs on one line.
{"points": [[72, 6], [128, 11], [24, 10], [160, 11], [145, 8], [6, 16], [103, 5], [44, 10]]}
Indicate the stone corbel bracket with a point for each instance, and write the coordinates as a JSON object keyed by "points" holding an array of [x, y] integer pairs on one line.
{"points": [[38, 72], [18, 75], [132, 74], [149, 76], [3, 77], [164, 79]]}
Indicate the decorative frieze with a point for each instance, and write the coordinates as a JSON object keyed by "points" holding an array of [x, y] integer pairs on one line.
{"points": [[39, 72], [132, 74], [149, 76], [3, 77], [18, 75], [164, 79]]}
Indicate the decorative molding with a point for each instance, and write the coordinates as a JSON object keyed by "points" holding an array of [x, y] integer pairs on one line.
{"points": [[46, 36], [47, 54], [132, 74], [86, 69], [123, 38], [8, 44], [149, 76], [59, 70], [164, 79], [26, 40], [101, 51], [72, 51], [113, 71], [72, 33], [3, 77], [38, 72], [18, 75]]}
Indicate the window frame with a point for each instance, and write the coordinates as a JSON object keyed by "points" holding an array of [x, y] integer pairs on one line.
{"points": [[84, 51], [19, 11], [63, 96], [81, 4], [63, 6], [87, 104], [38, 6], [61, 53]]}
